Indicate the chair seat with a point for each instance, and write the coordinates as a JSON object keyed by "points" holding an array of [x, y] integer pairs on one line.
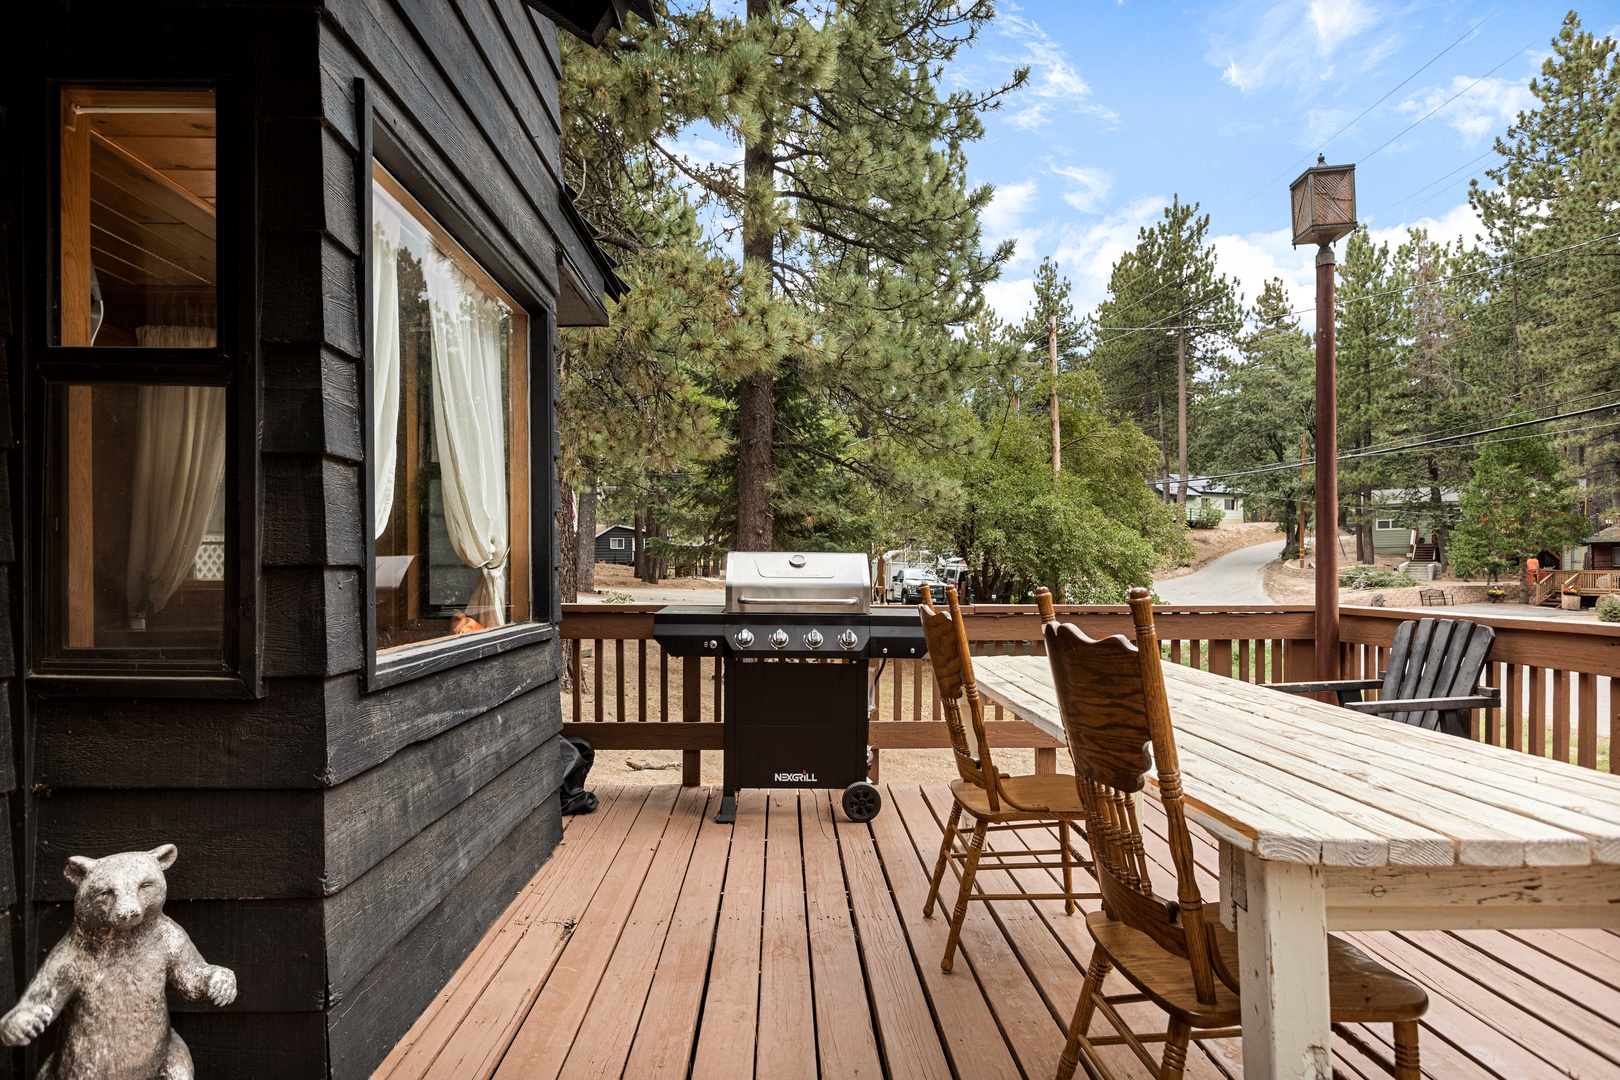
{"points": [[1044, 796], [1360, 989]]}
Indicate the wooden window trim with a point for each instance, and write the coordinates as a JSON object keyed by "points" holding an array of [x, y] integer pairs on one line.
{"points": [[232, 363], [529, 411]]}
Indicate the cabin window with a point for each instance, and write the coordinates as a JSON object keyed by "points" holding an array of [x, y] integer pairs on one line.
{"points": [[1229, 504], [450, 461], [616, 543], [1384, 523], [135, 512], [137, 250]]}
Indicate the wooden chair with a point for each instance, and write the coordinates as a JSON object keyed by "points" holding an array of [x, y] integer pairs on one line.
{"points": [[1432, 681], [1175, 952], [996, 802]]}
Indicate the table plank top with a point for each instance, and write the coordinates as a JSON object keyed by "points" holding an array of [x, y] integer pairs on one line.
{"points": [[1296, 780]]}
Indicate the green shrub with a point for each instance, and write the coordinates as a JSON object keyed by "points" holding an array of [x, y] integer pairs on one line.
{"points": [[1205, 516], [1375, 577], [1608, 608]]}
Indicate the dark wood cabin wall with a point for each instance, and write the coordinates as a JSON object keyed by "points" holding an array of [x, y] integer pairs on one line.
{"points": [[12, 944], [443, 799]]}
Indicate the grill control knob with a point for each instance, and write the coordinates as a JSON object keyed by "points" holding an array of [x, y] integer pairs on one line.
{"points": [[743, 638], [779, 639], [848, 640], [813, 639]]}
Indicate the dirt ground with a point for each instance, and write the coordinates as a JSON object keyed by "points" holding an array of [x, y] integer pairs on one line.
{"points": [[622, 577], [1228, 537]]}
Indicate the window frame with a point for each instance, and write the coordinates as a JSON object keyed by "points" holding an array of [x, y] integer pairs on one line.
{"points": [[232, 363], [382, 670], [1384, 525]]}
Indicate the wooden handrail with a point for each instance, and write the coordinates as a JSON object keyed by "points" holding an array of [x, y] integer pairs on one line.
{"points": [[627, 694]]}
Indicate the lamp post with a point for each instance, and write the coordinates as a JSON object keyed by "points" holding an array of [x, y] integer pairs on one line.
{"points": [[1324, 204]]}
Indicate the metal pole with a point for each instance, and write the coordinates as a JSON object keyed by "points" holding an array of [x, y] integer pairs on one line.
{"points": [[1327, 473], [1051, 352]]}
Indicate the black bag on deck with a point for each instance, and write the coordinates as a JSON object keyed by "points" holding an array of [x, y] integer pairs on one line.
{"points": [[577, 758]]}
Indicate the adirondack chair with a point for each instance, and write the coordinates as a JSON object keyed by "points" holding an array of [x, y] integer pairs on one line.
{"points": [[1432, 680]]}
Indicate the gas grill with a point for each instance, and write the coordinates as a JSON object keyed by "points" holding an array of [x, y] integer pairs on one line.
{"points": [[794, 640]]}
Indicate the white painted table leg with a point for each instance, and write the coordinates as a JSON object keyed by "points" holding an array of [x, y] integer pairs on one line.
{"points": [[1282, 936]]}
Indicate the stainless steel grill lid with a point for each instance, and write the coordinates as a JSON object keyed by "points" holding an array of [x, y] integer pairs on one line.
{"points": [[837, 583]]}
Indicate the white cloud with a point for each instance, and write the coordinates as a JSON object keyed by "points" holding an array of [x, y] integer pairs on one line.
{"points": [[1086, 254], [1094, 186], [1010, 299], [1259, 43], [1054, 82], [1011, 201], [1483, 108]]}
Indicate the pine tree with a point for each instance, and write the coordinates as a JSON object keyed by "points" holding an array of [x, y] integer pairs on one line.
{"points": [[1262, 401], [1556, 199], [1517, 505], [1369, 336], [854, 204], [1168, 315]]}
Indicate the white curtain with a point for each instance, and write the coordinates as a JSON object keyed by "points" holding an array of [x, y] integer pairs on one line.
{"points": [[469, 419], [384, 361], [178, 479]]}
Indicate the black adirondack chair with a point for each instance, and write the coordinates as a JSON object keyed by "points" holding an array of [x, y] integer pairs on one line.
{"points": [[1432, 680]]}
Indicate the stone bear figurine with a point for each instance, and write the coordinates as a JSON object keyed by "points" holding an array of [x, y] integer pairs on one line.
{"points": [[108, 977]]}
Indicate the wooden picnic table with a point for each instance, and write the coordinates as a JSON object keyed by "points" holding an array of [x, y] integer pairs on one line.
{"points": [[1330, 820]]}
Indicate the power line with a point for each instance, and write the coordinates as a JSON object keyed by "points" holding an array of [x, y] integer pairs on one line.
{"points": [[1465, 34], [1449, 100], [1433, 183], [1356, 455]]}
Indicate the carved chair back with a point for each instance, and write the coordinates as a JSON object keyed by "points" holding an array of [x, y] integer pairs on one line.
{"points": [[1436, 658], [949, 656], [1111, 696]]}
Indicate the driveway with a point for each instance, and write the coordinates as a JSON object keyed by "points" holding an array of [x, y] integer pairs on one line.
{"points": [[1230, 579]]}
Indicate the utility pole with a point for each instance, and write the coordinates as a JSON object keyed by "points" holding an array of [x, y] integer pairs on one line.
{"points": [[1051, 355]]}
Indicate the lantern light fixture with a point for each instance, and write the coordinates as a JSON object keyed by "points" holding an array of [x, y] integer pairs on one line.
{"points": [[1324, 200]]}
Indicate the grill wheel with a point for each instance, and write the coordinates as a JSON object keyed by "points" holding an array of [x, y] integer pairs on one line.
{"points": [[862, 801]]}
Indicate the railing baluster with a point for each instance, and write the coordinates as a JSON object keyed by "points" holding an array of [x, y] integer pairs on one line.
{"points": [[576, 647], [691, 713], [663, 685], [1243, 661], [916, 689], [1585, 687], [641, 680], [1538, 711], [596, 662], [1561, 687], [894, 679], [1175, 651], [1515, 707], [618, 675], [1220, 658]]}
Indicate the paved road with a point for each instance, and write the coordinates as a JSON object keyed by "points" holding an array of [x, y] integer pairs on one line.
{"points": [[1231, 579]]}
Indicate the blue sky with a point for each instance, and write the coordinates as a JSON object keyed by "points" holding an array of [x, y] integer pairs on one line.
{"points": [[1224, 104]]}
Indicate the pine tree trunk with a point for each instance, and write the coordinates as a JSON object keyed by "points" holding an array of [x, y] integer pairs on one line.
{"points": [[1365, 552], [756, 396], [585, 544], [567, 544]]}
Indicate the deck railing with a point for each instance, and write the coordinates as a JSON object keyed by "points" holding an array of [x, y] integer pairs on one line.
{"points": [[1582, 582], [627, 694]]}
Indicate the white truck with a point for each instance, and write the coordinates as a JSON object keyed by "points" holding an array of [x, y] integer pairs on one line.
{"points": [[899, 575]]}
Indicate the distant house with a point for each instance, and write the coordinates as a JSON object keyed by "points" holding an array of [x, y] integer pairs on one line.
{"points": [[1602, 550], [616, 544], [1399, 531], [1202, 492]]}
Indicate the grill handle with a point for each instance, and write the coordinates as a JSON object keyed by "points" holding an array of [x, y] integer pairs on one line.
{"points": [[842, 601]]}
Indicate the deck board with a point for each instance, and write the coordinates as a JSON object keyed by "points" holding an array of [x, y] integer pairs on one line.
{"points": [[658, 942]]}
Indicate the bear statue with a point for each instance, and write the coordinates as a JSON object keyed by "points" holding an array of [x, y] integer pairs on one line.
{"points": [[108, 976]]}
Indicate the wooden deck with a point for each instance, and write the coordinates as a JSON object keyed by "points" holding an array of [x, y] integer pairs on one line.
{"points": [[656, 942]]}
